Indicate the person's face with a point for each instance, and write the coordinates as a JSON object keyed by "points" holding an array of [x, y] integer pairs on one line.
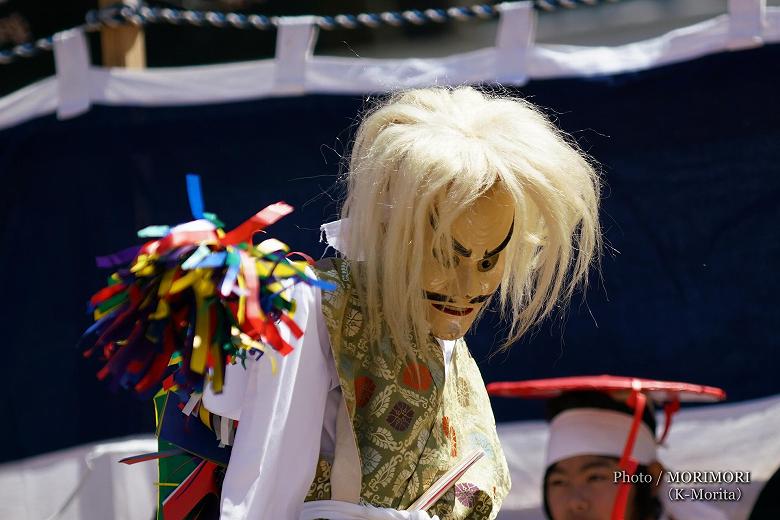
{"points": [[583, 488], [456, 289]]}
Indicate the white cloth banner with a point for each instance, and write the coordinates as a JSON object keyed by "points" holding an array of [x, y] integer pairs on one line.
{"points": [[334, 75], [82, 483]]}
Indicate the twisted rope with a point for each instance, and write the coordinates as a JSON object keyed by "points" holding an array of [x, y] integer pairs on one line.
{"points": [[118, 15]]}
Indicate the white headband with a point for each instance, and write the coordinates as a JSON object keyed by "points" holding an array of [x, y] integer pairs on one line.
{"points": [[593, 431]]}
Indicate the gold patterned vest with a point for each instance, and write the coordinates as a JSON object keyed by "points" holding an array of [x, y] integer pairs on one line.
{"points": [[410, 425]]}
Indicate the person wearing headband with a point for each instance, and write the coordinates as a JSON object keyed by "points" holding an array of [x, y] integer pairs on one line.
{"points": [[454, 198], [601, 461], [587, 435]]}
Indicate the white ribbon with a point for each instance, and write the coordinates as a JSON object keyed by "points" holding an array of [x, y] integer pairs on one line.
{"points": [[71, 59]]}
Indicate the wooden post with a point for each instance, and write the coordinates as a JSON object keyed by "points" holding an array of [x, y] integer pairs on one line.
{"points": [[122, 46]]}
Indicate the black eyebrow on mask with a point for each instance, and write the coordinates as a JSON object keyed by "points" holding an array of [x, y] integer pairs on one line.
{"points": [[460, 249], [466, 252], [456, 246], [503, 243]]}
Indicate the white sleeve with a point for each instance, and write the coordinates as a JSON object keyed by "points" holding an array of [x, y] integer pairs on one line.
{"points": [[228, 402], [277, 442]]}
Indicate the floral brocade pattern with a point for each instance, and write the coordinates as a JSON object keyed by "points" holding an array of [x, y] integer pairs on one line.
{"points": [[410, 425], [320, 486]]}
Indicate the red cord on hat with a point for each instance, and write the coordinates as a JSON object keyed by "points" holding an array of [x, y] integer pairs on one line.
{"points": [[670, 409], [637, 400]]}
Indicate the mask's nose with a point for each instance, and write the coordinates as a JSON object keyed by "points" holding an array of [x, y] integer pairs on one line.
{"points": [[470, 283]]}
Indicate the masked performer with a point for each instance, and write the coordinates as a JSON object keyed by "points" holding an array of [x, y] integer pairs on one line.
{"points": [[455, 199]]}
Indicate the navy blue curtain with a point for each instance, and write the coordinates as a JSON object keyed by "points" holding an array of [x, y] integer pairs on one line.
{"points": [[687, 288]]}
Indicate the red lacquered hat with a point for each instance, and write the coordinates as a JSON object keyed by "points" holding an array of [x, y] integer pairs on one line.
{"points": [[658, 391]]}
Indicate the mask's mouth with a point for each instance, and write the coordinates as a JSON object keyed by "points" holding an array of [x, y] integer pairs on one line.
{"points": [[453, 311]]}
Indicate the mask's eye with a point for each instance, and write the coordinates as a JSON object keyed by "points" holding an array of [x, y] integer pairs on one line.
{"points": [[486, 264]]}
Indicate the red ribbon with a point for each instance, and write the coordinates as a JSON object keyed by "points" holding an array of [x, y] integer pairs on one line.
{"points": [[160, 364], [135, 301], [106, 292], [309, 260], [261, 220], [178, 239], [243, 233], [294, 328], [637, 400], [272, 337], [254, 323]]}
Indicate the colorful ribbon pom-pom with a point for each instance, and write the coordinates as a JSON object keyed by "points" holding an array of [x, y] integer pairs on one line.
{"points": [[192, 299]]}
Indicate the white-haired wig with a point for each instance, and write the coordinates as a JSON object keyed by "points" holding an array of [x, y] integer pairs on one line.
{"points": [[435, 151]]}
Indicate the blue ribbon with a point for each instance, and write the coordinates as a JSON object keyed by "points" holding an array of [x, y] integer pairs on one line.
{"points": [[195, 195]]}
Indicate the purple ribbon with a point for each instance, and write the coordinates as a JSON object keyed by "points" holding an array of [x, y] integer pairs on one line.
{"points": [[122, 257]]}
